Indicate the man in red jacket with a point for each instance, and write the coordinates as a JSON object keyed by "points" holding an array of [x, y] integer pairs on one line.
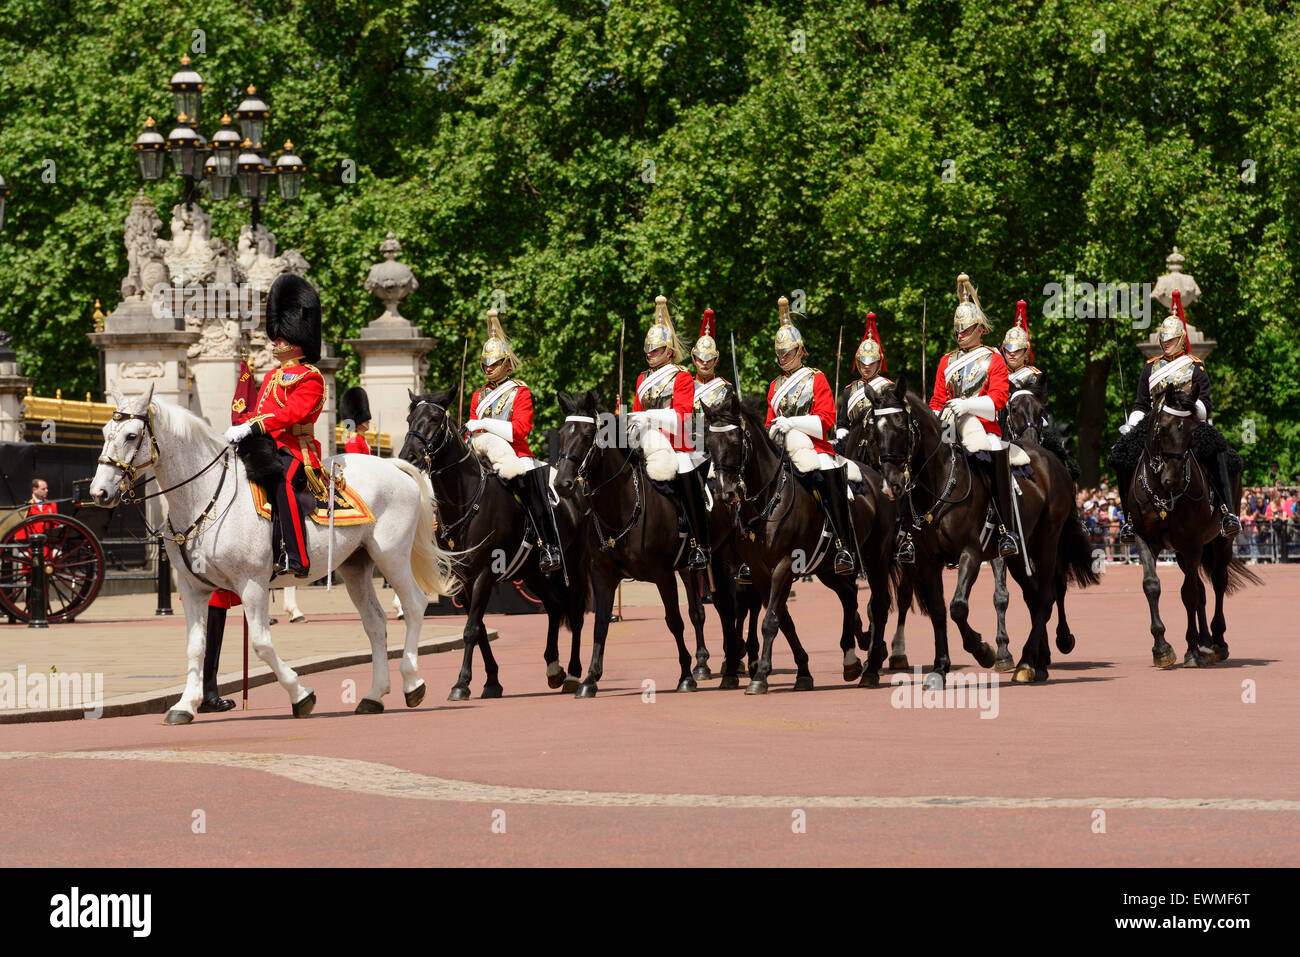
{"points": [[287, 408], [970, 388], [661, 410], [800, 402], [354, 410], [503, 408]]}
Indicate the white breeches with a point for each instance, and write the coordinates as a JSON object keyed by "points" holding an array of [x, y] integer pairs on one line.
{"points": [[661, 461], [970, 430], [807, 459]]}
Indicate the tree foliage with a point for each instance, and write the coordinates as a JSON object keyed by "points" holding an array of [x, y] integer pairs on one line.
{"points": [[579, 158]]}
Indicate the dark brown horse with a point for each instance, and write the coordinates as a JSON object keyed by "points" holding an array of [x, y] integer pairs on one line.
{"points": [[782, 532], [479, 516], [1170, 500], [944, 508], [629, 530]]}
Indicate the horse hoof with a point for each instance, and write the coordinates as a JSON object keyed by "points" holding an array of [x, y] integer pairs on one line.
{"points": [[1005, 664], [985, 656], [870, 679], [459, 693], [1065, 643], [416, 695], [178, 717], [1220, 652], [1164, 657], [803, 683], [702, 672], [899, 663], [1027, 674], [491, 691], [687, 684], [729, 682], [854, 671], [305, 706], [934, 681], [366, 706], [571, 684], [554, 676], [585, 690], [1193, 659], [756, 687]]}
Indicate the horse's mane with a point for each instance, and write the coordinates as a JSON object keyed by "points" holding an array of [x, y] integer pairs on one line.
{"points": [[185, 425]]}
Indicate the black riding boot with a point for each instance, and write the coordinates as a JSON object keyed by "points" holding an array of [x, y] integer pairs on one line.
{"points": [[1229, 524], [1001, 474], [531, 491], [690, 489], [832, 493], [212, 701], [1127, 535]]}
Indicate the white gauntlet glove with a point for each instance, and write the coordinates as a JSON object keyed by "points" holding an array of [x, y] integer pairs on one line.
{"points": [[237, 433]]}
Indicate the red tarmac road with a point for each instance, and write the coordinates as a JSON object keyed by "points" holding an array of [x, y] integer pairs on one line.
{"points": [[1111, 763]]}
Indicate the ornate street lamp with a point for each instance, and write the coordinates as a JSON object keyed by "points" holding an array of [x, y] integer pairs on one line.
{"points": [[252, 115], [4, 193], [289, 169], [225, 147], [218, 185], [187, 91], [149, 149]]}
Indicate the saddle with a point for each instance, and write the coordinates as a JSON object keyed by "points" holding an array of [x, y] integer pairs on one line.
{"points": [[266, 469]]}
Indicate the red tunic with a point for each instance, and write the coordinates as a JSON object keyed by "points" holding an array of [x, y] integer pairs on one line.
{"points": [[683, 405], [37, 528], [521, 417], [995, 385], [287, 408], [357, 444], [823, 406]]}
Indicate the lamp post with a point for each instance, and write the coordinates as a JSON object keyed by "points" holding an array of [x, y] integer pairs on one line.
{"points": [[231, 154]]}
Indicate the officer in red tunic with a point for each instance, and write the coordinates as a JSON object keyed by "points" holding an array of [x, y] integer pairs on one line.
{"points": [[800, 400], [504, 408], [665, 399], [354, 410], [288, 405], [971, 388]]}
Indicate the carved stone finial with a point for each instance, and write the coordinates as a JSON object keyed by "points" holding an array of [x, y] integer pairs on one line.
{"points": [[391, 281]]}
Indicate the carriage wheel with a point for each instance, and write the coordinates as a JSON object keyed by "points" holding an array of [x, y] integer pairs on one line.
{"points": [[74, 567]]}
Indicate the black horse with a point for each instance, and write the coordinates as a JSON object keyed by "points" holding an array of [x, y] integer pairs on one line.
{"points": [[781, 535], [630, 530], [945, 507], [480, 518], [1170, 499]]}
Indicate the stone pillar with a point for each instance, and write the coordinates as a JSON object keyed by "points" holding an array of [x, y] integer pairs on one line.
{"points": [[141, 348], [1189, 292], [329, 366], [394, 353], [13, 386]]}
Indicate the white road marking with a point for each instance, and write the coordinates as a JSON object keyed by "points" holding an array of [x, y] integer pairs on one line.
{"points": [[368, 777]]}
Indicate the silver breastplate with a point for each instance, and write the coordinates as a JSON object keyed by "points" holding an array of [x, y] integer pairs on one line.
{"points": [[660, 395], [713, 396], [971, 378], [799, 400], [502, 407], [1026, 377], [1181, 377]]}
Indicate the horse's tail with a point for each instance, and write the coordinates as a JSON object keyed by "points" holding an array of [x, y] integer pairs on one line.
{"points": [[1075, 553], [434, 568], [1239, 574]]}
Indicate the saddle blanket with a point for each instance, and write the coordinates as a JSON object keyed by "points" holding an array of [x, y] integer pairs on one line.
{"points": [[349, 507]]}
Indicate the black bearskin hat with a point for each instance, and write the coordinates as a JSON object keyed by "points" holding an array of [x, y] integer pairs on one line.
{"points": [[354, 406], [293, 314]]}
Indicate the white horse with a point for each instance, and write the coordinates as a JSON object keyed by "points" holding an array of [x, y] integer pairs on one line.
{"points": [[227, 545]]}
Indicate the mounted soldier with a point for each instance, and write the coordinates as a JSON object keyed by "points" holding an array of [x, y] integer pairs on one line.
{"points": [[354, 410], [1019, 354], [856, 400], [665, 400], [1175, 367], [501, 419], [287, 407], [801, 407], [710, 388], [970, 388]]}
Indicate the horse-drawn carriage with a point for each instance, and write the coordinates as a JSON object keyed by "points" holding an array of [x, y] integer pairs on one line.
{"points": [[55, 579]]}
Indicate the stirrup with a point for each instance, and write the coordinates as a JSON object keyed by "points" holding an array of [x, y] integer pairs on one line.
{"points": [[548, 559], [698, 559], [906, 551], [1126, 534], [1007, 545], [1230, 526], [844, 564], [743, 575]]}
